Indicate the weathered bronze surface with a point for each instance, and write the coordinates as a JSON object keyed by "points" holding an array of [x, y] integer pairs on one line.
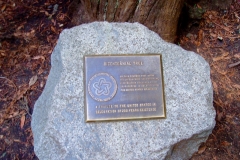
{"points": [[123, 87]]}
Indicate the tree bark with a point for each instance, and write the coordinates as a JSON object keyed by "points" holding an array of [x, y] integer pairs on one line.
{"points": [[160, 16]]}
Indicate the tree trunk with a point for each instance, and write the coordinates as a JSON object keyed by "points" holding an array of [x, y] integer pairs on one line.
{"points": [[160, 16]]}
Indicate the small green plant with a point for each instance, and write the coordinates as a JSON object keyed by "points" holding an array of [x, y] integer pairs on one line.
{"points": [[196, 12]]}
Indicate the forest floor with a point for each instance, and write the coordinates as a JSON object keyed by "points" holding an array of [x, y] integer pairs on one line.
{"points": [[29, 31], [217, 39]]}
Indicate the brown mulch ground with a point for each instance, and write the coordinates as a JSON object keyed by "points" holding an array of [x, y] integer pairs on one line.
{"points": [[217, 39], [29, 31]]}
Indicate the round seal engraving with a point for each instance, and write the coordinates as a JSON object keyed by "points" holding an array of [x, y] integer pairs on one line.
{"points": [[102, 87]]}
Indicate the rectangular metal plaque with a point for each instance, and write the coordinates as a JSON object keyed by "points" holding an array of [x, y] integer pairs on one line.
{"points": [[123, 87]]}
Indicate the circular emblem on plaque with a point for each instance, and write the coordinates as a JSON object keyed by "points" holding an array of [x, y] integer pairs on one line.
{"points": [[102, 87]]}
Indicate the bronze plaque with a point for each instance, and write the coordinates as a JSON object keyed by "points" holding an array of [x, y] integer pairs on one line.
{"points": [[123, 87]]}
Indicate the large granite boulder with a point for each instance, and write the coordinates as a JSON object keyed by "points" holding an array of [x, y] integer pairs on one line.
{"points": [[58, 123]]}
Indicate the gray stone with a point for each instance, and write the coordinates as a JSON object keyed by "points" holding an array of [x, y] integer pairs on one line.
{"points": [[58, 123]]}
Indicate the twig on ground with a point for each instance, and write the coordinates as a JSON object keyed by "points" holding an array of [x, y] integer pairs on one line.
{"points": [[16, 88], [226, 29], [234, 64]]}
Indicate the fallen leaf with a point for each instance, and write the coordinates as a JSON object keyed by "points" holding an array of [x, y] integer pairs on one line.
{"points": [[198, 50], [237, 55], [200, 35], [33, 80], [3, 7], [197, 43], [41, 84], [225, 143], [14, 114], [17, 140], [40, 71], [21, 91], [22, 121], [236, 86], [54, 29], [38, 57], [215, 87], [219, 116], [199, 6], [213, 35], [201, 149], [222, 57], [46, 13]]}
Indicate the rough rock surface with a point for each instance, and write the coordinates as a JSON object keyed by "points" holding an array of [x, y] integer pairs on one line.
{"points": [[58, 123]]}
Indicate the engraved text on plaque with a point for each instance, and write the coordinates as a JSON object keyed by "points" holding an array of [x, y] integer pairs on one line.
{"points": [[123, 87]]}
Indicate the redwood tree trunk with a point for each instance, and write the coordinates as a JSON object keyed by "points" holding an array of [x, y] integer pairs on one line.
{"points": [[160, 16]]}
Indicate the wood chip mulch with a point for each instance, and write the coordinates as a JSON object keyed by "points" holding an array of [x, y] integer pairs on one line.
{"points": [[217, 39], [28, 33]]}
